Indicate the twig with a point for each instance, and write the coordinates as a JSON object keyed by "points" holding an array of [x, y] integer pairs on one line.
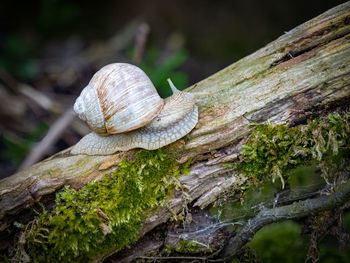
{"points": [[26, 91], [40, 98], [53, 134], [140, 42], [296, 210]]}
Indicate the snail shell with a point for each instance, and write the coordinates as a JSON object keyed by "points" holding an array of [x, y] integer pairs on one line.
{"points": [[119, 98], [122, 107]]}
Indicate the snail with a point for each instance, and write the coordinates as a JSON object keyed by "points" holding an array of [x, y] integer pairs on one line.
{"points": [[124, 111]]}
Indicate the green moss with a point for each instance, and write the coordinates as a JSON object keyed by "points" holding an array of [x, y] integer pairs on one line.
{"points": [[191, 247], [185, 246], [55, 172], [272, 151], [104, 214]]}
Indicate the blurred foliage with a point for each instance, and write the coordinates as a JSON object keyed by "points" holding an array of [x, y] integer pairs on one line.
{"points": [[303, 176], [103, 214], [17, 57], [15, 149], [329, 251], [159, 70], [280, 242], [18, 50], [58, 15]]}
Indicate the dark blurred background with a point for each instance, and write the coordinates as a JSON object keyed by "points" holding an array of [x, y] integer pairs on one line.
{"points": [[49, 50]]}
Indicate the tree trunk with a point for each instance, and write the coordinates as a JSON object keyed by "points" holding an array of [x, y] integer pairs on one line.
{"points": [[300, 73]]}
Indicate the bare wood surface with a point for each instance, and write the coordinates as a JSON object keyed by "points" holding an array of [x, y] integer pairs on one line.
{"points": [[305, 69]]}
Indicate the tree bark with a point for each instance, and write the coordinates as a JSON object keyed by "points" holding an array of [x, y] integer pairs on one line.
{"points": [[303, 71]]}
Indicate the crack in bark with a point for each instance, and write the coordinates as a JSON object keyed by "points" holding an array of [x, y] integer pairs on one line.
{"points": [[300, 50]]}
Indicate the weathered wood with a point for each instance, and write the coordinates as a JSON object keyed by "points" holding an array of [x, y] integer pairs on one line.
{"points": [[305, 69]]}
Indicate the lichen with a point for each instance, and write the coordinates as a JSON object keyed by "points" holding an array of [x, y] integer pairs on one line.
{"points": [[272, 151], [103, 214]]}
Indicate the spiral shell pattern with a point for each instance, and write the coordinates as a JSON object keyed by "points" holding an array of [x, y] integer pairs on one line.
{"points": [[119, 98]]}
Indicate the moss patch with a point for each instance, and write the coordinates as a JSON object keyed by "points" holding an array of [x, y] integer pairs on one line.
{"points": [[104, 214], [192, 247], [272, 151]]}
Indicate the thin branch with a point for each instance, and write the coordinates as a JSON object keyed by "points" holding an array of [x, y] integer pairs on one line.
{"points": [[293, 211], [140, 42], [50, 138]]}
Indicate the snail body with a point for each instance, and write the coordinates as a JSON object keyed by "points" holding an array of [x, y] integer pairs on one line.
{"points": [[123, 109]]}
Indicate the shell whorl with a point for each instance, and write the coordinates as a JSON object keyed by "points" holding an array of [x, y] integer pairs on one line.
{"points": [[88, 108], [119, 98], [177, 118]]}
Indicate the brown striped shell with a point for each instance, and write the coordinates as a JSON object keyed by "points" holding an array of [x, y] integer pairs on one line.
{"points": [[119, 98]]}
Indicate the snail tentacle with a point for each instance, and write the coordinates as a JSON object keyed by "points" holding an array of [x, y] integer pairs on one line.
{"points": [[172, 86]]}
